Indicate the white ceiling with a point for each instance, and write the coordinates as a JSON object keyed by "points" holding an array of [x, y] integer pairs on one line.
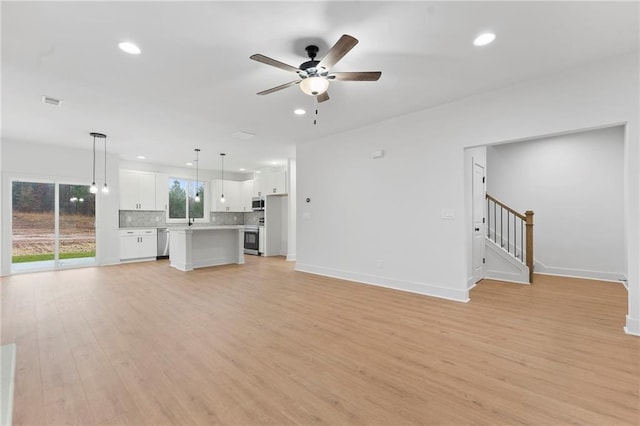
{"points": [[194, 85]]}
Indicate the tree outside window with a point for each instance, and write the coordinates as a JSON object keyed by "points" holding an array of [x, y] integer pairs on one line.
{"points": [[182, 204]]}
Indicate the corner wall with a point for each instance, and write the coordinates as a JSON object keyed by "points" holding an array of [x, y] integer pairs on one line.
{"points": [[379, 220]]}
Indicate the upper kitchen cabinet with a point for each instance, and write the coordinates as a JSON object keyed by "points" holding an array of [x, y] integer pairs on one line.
{"points": [[233, 201], [162, 191], [270, 182], [277, 182], [137, 190], [246, 191]]}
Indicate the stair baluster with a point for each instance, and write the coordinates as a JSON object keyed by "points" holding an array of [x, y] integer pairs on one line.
{"points": [[526, 238]]}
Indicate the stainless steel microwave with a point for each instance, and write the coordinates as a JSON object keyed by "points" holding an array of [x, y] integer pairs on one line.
{"points": [[257, 204]]}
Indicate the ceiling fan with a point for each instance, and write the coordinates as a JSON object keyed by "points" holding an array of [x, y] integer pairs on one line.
{"points": [[315, 75]]}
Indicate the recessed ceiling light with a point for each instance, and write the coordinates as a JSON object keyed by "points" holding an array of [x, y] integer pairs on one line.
{"points": [[299, 111], [141, 157], [127, 46], [189, 164], [484, 39], [274, 162], [242, 170]]}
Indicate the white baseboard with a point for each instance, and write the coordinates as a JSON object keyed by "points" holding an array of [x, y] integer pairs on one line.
{"points": [[633, 326], [411, 287], [541, 268], [291, 257]]}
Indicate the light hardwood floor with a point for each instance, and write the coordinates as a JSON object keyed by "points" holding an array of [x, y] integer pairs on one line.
{"points": [[260, 343]]}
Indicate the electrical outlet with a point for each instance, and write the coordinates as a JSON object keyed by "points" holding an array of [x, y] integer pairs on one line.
{"points": [[128, 218], [213, 218]]}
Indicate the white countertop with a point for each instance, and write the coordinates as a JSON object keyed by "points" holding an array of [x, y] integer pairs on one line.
{"points": [[208, 228]]}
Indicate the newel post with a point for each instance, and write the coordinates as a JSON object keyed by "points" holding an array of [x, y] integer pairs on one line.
{"points": [[529, 226]]}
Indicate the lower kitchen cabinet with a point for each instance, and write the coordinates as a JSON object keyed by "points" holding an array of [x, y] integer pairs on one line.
{"points": [[138, 244]]}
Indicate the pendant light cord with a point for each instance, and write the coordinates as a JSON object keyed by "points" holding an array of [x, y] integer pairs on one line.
{"points": [[105, 160], [94, 159]]}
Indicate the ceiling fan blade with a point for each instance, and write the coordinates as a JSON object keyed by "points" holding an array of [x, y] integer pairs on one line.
{"points": [[356, 76], [324, 96], [275, 89], [341, 48], [266, 60]]}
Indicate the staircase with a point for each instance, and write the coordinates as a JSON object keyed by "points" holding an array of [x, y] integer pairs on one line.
{"points": [[509, 242]]}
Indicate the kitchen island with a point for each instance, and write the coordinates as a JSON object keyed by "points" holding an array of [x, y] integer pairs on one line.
{"points": [[202, 246]]}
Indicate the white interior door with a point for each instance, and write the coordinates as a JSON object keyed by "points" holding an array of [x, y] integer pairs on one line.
{"points": [[478, 221]]}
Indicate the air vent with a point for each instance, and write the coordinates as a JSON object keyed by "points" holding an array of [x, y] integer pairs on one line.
{"points": [[243, 135], [51, 101]]}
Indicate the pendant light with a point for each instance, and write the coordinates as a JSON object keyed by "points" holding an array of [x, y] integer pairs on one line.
{"points": [[222, 154], [105, 188], [197, 199], [93, 188]]}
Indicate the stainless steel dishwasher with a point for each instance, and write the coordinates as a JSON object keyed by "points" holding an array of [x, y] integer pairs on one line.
{"points": [[163, 243]]}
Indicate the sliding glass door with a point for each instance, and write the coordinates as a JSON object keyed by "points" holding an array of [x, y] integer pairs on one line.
{"points": [[76, 225], [53, 225]]}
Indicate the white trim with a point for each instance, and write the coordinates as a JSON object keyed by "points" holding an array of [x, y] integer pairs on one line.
{"points": [[633, 326], [471, 283], [291, 257], [541, 268], [507, 280], [502, 266], [411, 287]]}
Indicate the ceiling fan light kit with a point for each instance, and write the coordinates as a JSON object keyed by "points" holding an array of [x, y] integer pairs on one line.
{"points": [[314, 86], [315, 75]]}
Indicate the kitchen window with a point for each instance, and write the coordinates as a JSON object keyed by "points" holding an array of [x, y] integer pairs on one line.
{"points": [[182, 204]]}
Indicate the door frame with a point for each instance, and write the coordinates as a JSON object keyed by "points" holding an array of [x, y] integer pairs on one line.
{"points": [[478, 274]]}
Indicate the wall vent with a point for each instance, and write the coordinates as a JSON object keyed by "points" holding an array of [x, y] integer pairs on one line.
{"points": [[51, 101]]}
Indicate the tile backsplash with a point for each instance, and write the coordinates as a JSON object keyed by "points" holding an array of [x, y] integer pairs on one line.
{"points": [[142, 219], [225, 218], [157, 219]]}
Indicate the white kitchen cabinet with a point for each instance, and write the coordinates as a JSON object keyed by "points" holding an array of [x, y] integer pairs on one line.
{"points": [[270, 182], [246, 193], [259, 184], [277, 182], [162, 191], [137, 190], [232, 196], [138, 244], [261, 240]]}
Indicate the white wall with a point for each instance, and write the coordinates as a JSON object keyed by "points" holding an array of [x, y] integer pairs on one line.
{"points": [[378, 221], [291, 233], [21, 160], [575, 186]]}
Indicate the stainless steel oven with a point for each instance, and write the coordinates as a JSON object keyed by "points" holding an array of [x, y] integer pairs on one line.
{"points": [[251, 239]]}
